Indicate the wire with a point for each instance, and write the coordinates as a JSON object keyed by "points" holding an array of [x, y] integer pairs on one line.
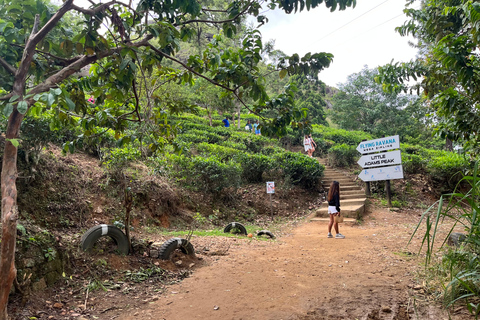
{"points": [[346, 24], [368, 31]]}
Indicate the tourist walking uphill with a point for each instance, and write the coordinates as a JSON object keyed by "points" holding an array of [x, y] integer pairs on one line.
{"points": [[309, 145], [334, 209]]}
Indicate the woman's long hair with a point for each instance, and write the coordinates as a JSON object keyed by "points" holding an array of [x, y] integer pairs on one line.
{"points": [[334, 189]]}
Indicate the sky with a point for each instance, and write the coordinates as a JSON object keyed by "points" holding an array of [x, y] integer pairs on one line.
{"points": [[356, 37]]}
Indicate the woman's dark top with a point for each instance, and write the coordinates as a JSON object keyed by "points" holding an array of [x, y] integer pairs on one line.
{"points": [[335, 202]]}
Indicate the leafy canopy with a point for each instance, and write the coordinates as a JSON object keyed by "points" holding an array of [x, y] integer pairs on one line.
{"points": [[448, 35]]}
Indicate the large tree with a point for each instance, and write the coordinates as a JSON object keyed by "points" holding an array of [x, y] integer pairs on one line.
{"points": [[362, 105], [447, 68], [40, 56]]}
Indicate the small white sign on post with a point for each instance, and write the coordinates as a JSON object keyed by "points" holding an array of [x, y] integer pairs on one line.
{"points": [[380, 159], [270, 187], [378, 174], [377, 145]]}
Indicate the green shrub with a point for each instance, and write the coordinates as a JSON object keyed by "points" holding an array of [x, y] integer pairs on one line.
{"points": [[342, 155], [300, 169], [413, 163], [253, 166], [323, 145], [253, 143], [223, 153], [272, 150], [234, 145], [208, 174], [340, 136], [446, 167], [191, 137]]}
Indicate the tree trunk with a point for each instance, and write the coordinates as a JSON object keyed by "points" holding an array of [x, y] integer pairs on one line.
{"points": [[8, 271], [448, 144], [238, 115]]}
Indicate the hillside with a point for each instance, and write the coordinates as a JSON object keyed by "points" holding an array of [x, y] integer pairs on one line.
{"points": [[66, 195]]}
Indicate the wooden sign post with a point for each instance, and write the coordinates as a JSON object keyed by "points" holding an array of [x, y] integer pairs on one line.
{"points": [[270, 191], [379, 165]]}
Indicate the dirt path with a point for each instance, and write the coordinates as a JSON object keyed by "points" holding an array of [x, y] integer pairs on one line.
{"points": [[304, 275]]}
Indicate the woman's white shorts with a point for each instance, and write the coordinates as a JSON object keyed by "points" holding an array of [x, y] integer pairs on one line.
{"points": [[332, 209]]}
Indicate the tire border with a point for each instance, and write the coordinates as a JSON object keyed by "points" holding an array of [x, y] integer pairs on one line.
{"points": [[266, 232], [92, 235], [233, 225], [169, 246]]}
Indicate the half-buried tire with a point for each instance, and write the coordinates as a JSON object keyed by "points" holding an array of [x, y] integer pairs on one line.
{"points": [[266, 232], [103, 230], [235, 227], [166, 250]]}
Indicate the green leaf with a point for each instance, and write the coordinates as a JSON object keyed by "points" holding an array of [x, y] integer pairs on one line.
{"points": [[70, 104], [50, 99], [15, 142], [22, 107], [14, 98], [56, 91], [7, 111], [79, 48], [283, 73]]}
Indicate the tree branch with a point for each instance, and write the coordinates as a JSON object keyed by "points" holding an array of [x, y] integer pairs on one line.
{"points": [[83, 61], [8, 66], [190, 69], [213, 10], [216, 22], [234, 91], [94, 11], [6, 97], [33, 40]]}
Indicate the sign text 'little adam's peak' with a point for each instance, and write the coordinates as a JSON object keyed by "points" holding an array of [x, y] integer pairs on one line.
{"points": [[382, 144], [380, 159]]}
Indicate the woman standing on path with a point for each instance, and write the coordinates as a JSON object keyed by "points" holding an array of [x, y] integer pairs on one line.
{"points": [[334, 209]]}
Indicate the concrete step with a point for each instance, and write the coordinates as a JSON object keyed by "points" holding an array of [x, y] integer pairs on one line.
{"points": [[354, 212], [327, 220], [346, 188], [352, 196], [337, 178], [347, 202]]}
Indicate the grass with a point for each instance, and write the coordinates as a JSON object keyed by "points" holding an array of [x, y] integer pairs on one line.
{"points": [[253, 229], [458, 270]]}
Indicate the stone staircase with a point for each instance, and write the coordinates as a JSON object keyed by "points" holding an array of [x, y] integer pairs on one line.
{"points": [[352, 197]]}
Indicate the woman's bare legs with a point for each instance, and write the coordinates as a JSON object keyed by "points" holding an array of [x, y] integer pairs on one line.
{"points": [[332, 223]]}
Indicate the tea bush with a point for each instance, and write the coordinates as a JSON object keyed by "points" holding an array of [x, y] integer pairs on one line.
{"points": [[253, 143], [413, 163], [223, 153], [254, 165], [300, 169], [234, 145], [339, 136], [342, 155], [207, 174], [446, 167]]}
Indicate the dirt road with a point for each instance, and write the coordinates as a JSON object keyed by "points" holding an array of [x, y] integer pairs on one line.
{"points": [[305, 275]]}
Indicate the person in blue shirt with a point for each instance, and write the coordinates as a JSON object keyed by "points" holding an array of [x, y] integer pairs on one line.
{"points": [[248, 126], [225, 121], [255, 126]]}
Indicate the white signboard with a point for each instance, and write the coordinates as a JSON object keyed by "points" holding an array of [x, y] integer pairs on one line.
{"points": [[386, 173], [380, 159], [382, 144], [270, 187]]}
